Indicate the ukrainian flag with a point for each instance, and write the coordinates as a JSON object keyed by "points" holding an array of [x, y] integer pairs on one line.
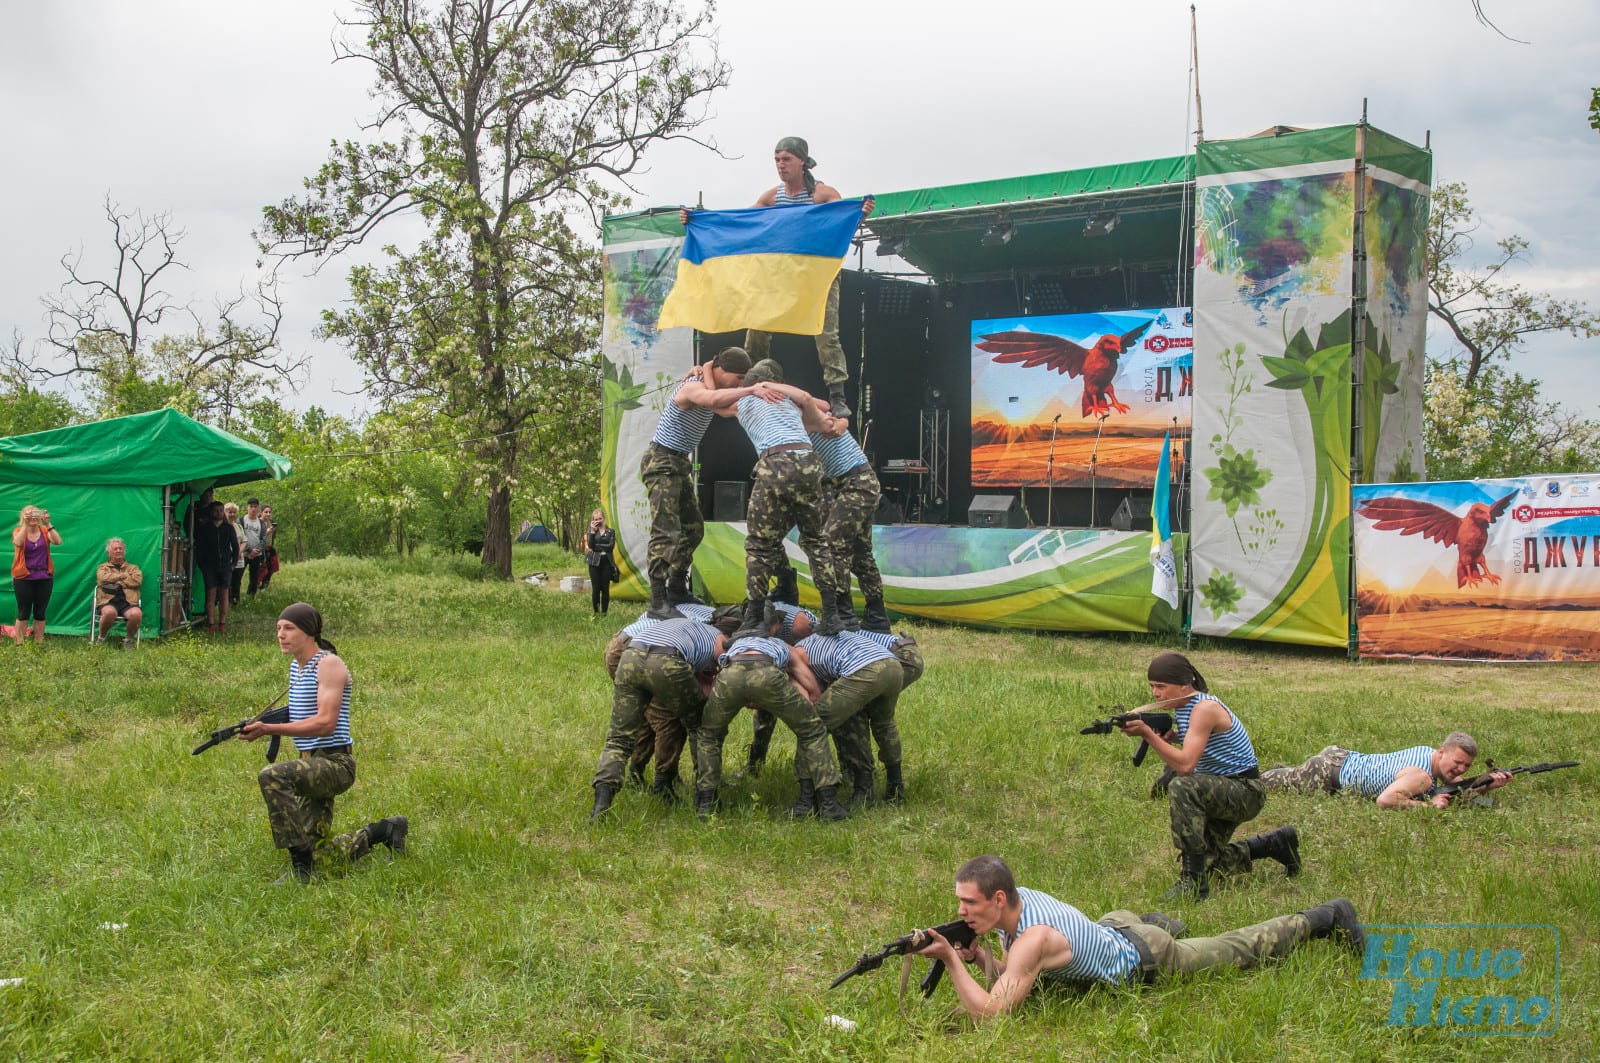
{"points": [[766, 268]]}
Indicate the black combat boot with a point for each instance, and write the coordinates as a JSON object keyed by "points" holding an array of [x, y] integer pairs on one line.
{"points": [[666, 785], [845, 606], [660, 608], [1337, 919], [1282, 845], [604, 792], [862, 783], [874, 618], [788, 588], [300, 870], [1191, 884], [705, 804], [759, 743], [829, 623], [399, 827], [1170, 923], [828, 806], [805, 806], [894, 787], [635, 777], [840, 408], [754, 625], [678, 592]]}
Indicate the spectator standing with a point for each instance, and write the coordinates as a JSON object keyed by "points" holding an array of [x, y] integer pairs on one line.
{"points": [[253, 542], [601, 544], [231, 511], [270, 566], [32, 571], [216, 550]]}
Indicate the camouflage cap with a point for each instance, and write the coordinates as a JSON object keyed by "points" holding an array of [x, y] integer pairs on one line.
{"points": [[764, 371], [797, 147]]}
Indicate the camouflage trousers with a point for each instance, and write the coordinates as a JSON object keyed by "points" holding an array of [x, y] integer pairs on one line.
{"points": [[676, 526], [1206, 809], [1243, 948], [860, 704], [663, 736], [761, 685], [834, 369], [787, 492], [910, 660], [1319, 774], [299, 794], [850, 501], [643, 677]]}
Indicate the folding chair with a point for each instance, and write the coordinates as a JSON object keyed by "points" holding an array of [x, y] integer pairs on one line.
{"points": [[94, 622]]}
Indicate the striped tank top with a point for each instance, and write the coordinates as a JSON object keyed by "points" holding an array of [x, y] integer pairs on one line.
{"points": [[789, 613], [771, 424], [681, 428], [1099, 953], [777, 649], [782, 198], [1370, 774], [645, 622], [695, 640], [839, 455], [303, 705], [885, 639], [836, 656], [1227, 753]]}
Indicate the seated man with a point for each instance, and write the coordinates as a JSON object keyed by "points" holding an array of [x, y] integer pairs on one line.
{"points": [[765, 674], [1394, 780], [1048, 939], [116, 594]]}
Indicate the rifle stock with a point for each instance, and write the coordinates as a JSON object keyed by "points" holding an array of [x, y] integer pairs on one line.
{"points": [[222, 734]]}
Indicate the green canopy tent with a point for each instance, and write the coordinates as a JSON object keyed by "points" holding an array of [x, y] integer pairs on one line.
{"points": [[133, 477]]}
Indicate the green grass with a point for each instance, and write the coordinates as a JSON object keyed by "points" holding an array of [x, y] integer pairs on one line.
{"points": [[512, 930]]}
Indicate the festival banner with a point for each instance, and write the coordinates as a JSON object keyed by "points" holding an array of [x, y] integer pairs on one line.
{"points": [[641, 365], [1274, 241], [1034, 579], [1501, 570], [1077, 399]]}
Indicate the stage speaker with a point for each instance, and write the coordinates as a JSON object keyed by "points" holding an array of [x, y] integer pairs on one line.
{"points": [[727, 500], [995, 511]]}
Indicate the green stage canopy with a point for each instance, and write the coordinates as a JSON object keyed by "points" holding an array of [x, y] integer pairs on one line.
{"points": [[147, 449]]}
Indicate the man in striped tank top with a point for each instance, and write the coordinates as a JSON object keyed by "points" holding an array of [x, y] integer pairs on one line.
{"points": [[798, 187], [1394, 780], [663, 736], [1217, 782], [861, 682], [676, 526], [794, 624], [1048, 940], [663, 664], [299, 793], [765, 674]]}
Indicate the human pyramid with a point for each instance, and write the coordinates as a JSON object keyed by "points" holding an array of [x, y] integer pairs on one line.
{"points": [[684, 669]]}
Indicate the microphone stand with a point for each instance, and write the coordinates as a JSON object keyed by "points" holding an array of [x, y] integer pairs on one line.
{"points": [[1094, 465], [1050, 472]]}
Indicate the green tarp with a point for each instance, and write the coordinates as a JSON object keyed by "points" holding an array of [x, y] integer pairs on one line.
{"points": [[107, 479]]}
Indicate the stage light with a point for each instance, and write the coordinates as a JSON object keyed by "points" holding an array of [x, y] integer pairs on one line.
{"points": [[1100, 225], [998, 234], [891, 245], [1047, 297]]}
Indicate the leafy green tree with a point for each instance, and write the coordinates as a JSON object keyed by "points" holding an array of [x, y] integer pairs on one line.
{"points": [[130, 346], [24, 408], [505, 125], [1483, 418]]}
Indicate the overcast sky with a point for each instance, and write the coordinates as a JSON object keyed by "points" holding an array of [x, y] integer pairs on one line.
{"points": [[211, 110]]}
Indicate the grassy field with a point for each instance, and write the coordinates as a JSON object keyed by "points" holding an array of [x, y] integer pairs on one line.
{"points": [[136, 910]]}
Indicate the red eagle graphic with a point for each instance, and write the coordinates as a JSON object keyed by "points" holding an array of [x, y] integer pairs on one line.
{"points": [[1097, 364], [1468, 533]]}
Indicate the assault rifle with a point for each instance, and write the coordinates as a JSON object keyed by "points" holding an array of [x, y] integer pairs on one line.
{"points": [[1476, 787], [267, 715], [1160, 723], [957, 933]]}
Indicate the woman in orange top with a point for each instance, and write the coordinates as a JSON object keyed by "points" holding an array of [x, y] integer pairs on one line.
{"points": [[32, 571]]}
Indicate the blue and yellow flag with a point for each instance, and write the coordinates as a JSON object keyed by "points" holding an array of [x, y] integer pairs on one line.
{"points": [[765, 268], [1164, 580]]}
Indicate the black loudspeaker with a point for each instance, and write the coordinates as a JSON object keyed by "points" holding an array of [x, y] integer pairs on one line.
{"points": [[995, 511], [727, 500], [888, 512]]}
